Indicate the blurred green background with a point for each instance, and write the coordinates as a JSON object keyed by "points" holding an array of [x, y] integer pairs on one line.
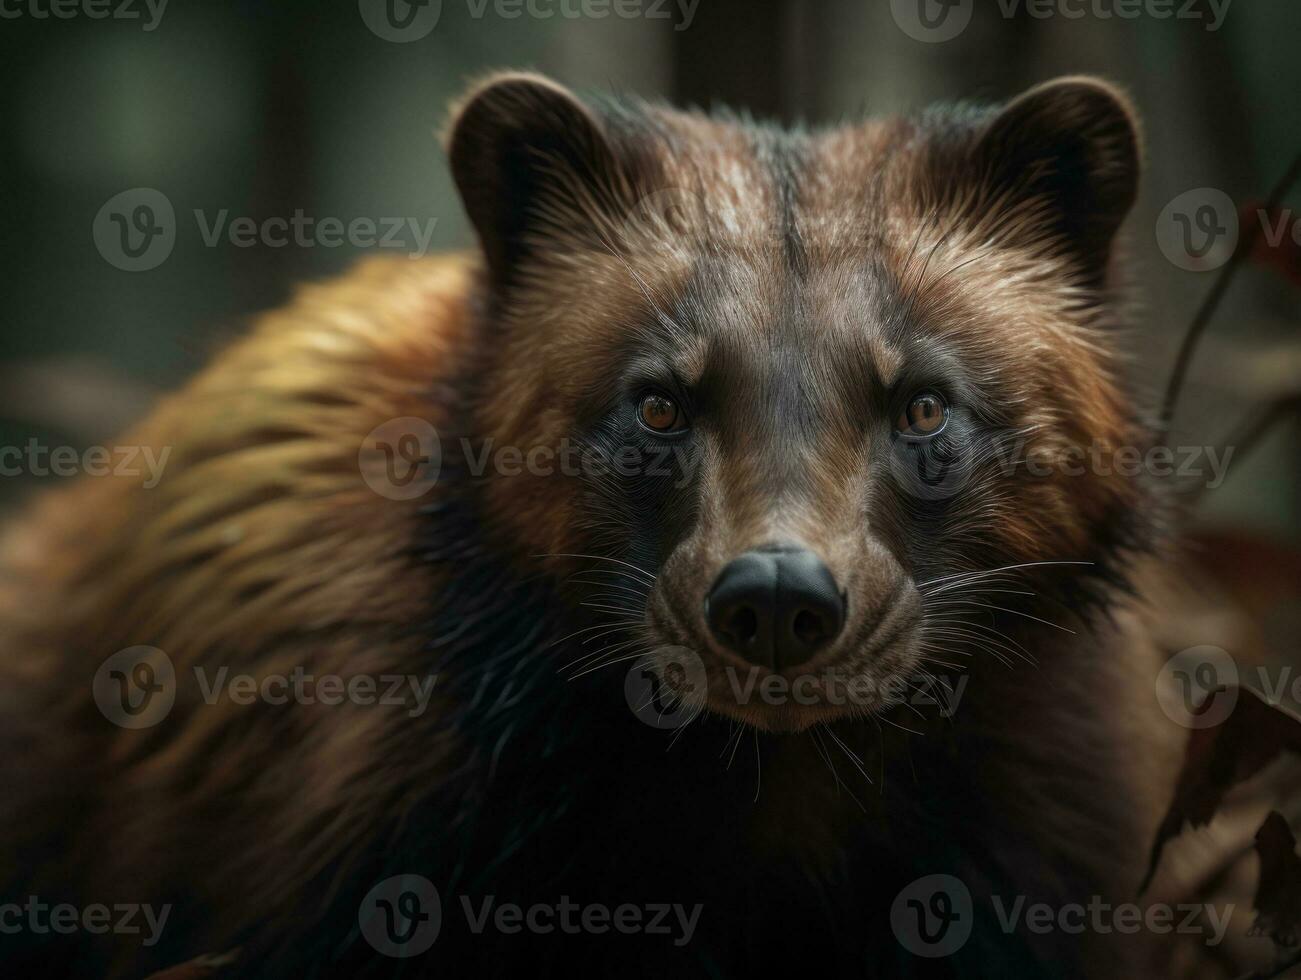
{"points": [[262, 109]]}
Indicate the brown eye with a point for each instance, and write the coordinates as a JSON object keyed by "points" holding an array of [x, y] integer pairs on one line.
{"points": [[659, 413], [924, 416]]}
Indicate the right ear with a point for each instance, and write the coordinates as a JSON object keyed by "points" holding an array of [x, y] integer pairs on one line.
{"points": [[1056, 169], [532, 165]]}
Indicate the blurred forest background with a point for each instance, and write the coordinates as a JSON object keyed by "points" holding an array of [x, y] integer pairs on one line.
{"points": [[263, 109]]}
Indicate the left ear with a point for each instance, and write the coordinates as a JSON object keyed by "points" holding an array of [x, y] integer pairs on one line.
{"points": [[1062, 160], [535, 169]]}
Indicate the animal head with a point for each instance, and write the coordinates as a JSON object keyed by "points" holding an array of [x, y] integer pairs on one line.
{"points": [[780, 390]]}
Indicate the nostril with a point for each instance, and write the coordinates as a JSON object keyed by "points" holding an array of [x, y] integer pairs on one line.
{"points": [[742, 625], [810, 628]]}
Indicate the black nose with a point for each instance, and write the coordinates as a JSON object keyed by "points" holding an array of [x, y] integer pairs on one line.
{"points": [[776, 606]]}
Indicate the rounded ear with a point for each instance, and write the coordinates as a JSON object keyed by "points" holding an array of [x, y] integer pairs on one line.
{"points": [[1069, 150], [529, 160]]}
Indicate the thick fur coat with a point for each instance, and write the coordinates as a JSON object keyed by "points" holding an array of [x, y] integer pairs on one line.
{"points": [[792, 286]]}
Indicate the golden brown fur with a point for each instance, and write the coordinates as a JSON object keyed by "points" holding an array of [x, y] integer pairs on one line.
{"points": [[261, 549]]}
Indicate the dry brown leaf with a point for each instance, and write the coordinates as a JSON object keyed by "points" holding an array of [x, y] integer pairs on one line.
{"points": [[1219, 757]]}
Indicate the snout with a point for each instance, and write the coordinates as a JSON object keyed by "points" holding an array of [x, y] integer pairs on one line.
{"points": [[776, 606]]}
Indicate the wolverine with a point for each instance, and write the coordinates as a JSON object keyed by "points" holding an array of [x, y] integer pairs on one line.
{"points": [[695, 493]]}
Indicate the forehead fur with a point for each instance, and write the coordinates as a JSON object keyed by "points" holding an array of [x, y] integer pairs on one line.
{"points": [[839, 241]]}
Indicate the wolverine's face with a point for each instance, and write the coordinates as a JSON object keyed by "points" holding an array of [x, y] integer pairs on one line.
{"points": [[778, 432], [796, 377]]}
